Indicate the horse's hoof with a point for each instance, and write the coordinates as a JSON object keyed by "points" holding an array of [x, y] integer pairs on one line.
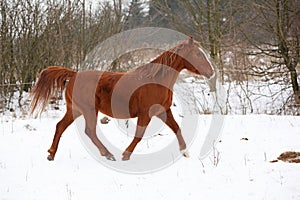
{"points": [[126, 155], [111, 158], [50, 158], [125, 158], [185, 153]]}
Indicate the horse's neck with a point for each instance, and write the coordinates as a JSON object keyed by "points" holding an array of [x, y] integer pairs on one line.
{"points": [[172, 80], [167, 75], [172, 64]]}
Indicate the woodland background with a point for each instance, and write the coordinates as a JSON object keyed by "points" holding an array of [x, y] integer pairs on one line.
{"points": [[252, 42]]}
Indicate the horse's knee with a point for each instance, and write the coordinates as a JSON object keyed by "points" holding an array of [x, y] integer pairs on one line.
{"points": [[88, 132], [58, 125], [137, 139]]}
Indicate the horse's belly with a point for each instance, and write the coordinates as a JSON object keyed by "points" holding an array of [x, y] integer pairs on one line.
{"points": [[116, 108]]}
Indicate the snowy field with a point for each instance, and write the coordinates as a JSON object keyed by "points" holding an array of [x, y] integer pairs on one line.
{"points": [[238, 168]]}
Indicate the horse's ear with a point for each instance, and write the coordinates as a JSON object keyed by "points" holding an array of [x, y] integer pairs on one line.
{"points": [[191, 40]]}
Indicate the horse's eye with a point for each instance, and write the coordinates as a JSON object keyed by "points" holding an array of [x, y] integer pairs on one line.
{"points": [[199, 54]]}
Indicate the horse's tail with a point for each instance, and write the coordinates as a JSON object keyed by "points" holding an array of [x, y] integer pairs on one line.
{"points": [[50, 80]]}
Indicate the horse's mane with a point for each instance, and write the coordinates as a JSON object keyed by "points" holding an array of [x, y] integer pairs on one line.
{"points": [[160, 65]]}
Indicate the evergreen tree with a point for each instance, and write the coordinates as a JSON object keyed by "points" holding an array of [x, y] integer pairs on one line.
{"points": [[162, 12], [135, 15]]}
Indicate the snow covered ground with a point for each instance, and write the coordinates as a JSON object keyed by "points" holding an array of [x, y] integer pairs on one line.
{"points": [[238, 168]]}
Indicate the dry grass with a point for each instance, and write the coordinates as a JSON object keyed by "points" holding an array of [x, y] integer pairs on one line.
{"points": [[290, 156]]}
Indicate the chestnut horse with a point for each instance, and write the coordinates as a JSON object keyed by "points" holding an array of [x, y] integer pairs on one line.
{"points": [[143, 93]]}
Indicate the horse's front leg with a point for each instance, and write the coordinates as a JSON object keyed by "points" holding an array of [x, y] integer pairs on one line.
{"points": [[142, 124], [170, 121]]}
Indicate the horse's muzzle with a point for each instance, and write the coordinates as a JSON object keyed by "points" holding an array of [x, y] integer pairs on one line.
{"points": [[212, 81]]}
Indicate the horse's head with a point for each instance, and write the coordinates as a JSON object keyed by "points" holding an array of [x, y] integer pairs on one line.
{"points": [[195, 59]]}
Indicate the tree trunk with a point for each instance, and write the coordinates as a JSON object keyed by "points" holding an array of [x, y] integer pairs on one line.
{"points": [[295, 86]]}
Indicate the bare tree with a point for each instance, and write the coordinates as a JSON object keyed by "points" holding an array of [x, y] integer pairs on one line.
{"points": [[35, 34], [279, 20]]}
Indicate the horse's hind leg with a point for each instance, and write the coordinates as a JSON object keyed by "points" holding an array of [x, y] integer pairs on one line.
{"points": [[142, 124], [90, 130], [170, 121], [61, 126]]}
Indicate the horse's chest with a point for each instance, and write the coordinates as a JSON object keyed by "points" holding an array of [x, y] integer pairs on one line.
{"points": [[150, 95]]}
